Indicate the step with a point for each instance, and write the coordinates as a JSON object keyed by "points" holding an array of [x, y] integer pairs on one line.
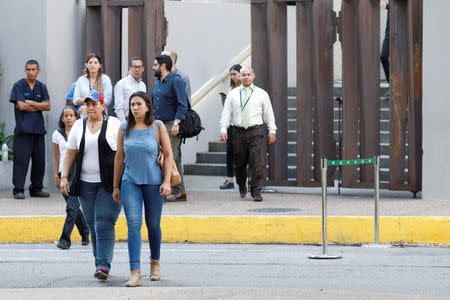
{"points": [[292, 102], [384, 86], [220, 170]]}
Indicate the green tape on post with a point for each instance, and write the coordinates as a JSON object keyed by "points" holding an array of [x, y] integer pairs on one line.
{"points": [[349, 162]]}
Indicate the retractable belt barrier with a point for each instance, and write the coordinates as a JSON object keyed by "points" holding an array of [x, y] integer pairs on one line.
{"points": [[324, 163]]}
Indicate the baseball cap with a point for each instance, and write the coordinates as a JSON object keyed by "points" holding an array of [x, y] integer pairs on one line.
{"points": [[95, 96]]}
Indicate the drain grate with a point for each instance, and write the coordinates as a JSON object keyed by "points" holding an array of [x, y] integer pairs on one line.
{"points": [[273, 210]]}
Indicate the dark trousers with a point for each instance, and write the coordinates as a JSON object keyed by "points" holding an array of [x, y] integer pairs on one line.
{"points": [[26, 146], [74, 216], [250, 148], [385, 55], [230, 152]]}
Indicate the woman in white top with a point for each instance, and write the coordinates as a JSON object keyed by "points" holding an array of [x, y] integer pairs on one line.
{"points": [[74, 216], [94, 79], [93, 142]]}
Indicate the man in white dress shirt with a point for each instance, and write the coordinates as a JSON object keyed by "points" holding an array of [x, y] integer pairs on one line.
{"points": [[127, 86], [248, 107]]}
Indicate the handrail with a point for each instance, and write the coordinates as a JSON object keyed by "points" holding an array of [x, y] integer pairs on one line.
{"points": [[200, 94]]}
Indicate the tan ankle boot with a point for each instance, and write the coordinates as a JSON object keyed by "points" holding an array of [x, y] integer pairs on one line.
{"points": [[135, 279], [154, 270]]}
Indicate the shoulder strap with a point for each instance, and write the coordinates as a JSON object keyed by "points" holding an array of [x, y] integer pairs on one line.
{"points": [[156, 126]]}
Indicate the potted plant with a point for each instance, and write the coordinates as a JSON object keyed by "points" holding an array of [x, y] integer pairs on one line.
{"points": [[9, 141]]}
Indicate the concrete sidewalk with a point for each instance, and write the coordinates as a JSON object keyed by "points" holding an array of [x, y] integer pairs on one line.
{"points": [[291, 215]]}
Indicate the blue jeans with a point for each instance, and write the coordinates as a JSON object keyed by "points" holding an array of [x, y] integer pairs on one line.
{"points": [[101, 214], [133, 195], [74, 216]]}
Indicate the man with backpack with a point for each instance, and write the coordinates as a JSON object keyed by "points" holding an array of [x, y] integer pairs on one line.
{"points": [[170, 105]]}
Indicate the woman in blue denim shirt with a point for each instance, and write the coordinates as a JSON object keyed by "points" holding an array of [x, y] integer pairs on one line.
{"points": [[142, 181]]}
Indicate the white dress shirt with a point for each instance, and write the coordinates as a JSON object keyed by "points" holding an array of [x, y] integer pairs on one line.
{"points": [[83, 86], [246, 108], [122, 91]]}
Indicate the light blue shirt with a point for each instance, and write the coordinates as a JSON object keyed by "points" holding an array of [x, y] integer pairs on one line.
{"points": [[141, 153]]}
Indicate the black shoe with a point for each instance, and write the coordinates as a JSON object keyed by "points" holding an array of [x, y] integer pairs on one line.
{"points": [[39, 194], [19, 195], [85, 241], [227, 185], [101, 274], [387, 94], [242, 192], [257, 198], [62, 245]]}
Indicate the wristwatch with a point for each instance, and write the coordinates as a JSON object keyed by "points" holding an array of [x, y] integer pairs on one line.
{"points": [[175, 123]]}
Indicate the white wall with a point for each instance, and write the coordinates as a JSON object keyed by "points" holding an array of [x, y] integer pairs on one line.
{"points": [[52, 32], [436, 105]]}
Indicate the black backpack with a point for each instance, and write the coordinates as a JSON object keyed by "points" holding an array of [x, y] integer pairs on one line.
{"points": [[191, 126]]}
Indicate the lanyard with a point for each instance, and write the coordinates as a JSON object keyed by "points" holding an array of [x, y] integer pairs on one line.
{"points": [[240, 94]]}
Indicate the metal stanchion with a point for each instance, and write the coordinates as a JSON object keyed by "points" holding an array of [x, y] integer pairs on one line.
{"points": [[324, 166], [376, 176]]}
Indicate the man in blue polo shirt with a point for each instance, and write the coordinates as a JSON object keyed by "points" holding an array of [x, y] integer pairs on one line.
{"points": [[30, 97], [170, 106]]}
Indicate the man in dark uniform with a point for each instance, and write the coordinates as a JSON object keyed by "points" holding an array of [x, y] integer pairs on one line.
{"points": [[30, 97]]}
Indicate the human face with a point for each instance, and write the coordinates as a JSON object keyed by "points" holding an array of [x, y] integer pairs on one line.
{"points": [[156, 69], [235, 77], [68, 117], [93, 65], [94, 109], [247, 76], [138, 107], [137, 69], [32, 72]]}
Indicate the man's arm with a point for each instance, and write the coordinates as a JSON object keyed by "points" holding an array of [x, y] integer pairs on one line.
{"points": [[23, 106], [180, 93], [43, 106], [119, 102]]}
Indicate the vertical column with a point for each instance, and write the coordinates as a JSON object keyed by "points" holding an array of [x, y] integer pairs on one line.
{"points": [[93, 30], [324, 32], [399, 78], [369, 73], [135, 33], [361, 84], [305, 91], [277, 86], [415, 17], [111, 36], [259, 42], [154, 35]]}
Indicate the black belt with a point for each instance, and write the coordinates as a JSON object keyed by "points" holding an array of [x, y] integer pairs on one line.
{"points": [[246, 129]]}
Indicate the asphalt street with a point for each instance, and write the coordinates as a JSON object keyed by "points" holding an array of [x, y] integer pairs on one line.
{"points": [[224, 271]]}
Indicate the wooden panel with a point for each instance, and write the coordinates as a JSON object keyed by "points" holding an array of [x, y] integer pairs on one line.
{"points": [[277, 86]]}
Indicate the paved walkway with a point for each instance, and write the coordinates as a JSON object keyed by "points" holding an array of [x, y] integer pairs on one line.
{"points": [[204, 198]]}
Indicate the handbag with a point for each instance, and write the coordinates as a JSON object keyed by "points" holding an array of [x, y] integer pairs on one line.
{"points": [[175, 177]]}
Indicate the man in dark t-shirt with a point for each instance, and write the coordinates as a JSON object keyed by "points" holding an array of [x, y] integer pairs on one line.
{"points": [[30, 97]]}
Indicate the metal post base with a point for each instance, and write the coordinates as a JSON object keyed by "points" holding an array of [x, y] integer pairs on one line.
{"points": [[325, 256]]}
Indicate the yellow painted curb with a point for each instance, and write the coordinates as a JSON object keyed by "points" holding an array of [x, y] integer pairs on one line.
{"points": [[249, 229]]}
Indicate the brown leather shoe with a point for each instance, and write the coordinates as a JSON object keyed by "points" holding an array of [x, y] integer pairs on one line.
{"points": [[177, 197]]}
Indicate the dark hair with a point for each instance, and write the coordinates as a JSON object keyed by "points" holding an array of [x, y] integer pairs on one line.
{"points": [[136, 58], [31, 62], [236, 67], [60, 121], [98, 85], [148, 120], [164, 59]]}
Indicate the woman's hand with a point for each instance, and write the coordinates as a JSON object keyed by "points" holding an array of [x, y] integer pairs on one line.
{"points": [[116, 195], [64, 185], [164, 189], [57, 181]]}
